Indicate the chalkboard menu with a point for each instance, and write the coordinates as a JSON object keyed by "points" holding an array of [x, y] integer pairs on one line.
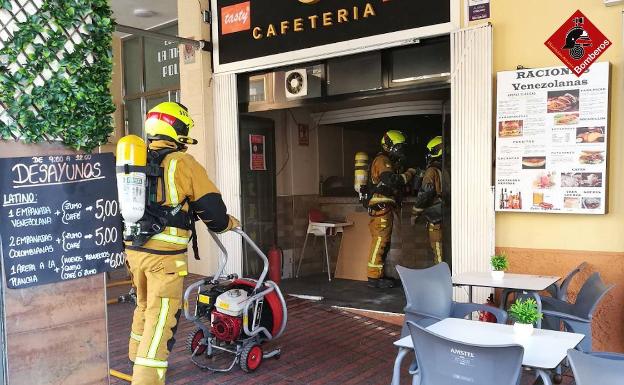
{"points": [[59, 218]]}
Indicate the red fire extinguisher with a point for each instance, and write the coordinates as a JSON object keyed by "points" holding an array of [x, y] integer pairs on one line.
{"points": [[275, 264]]}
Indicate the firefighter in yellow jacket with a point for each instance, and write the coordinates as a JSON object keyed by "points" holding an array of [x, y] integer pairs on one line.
{"points": [[385, 184], [159, 264], [429, 199]]}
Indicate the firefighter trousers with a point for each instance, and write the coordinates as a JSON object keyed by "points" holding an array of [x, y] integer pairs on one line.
{"points": [[435, 240], [159, 283], [381, 231]]}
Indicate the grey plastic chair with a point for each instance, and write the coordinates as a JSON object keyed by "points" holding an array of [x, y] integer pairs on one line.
{"points": [[561, 291], [594, 369], [429, 294], [576, 317], [445, 361]]}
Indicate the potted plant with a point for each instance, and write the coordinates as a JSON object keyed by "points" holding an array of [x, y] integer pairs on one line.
{"points": [[525, 314], [499, 265]]}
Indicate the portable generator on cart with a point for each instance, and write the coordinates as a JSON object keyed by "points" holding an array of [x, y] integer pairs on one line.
{"points": [[235, 316]]}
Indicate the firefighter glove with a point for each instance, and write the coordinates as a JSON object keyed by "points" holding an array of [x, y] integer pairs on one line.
{"points": [[233, 223]]}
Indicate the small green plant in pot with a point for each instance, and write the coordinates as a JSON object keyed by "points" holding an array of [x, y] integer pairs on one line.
{"points": [[525, 314], [499, 265]]}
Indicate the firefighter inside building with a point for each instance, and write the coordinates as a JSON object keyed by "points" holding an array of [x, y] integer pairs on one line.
{"points": [[162, 190], [429, 199], [386, 182]]}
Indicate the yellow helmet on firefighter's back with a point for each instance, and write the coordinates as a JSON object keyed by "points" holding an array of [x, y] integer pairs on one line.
{"points": [[435, 147], [169, 120]]}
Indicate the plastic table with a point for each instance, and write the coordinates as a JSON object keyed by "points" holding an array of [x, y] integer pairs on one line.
{"points": [[543, 351], [525, 283]]}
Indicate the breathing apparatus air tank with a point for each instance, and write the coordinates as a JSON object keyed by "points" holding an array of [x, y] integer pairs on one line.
{"points": [[361, 172], [131, 180]]}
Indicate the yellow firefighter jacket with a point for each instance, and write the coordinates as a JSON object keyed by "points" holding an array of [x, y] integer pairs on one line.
{"points": [[185, 178]]}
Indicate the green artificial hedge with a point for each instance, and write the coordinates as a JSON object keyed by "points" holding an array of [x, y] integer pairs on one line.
{"points": [[74, 105]]}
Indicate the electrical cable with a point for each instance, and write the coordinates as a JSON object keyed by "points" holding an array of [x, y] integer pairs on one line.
{"points": [[286, 130]]}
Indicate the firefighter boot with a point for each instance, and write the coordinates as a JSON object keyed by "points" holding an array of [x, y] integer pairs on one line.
{"points": [[381, 283]]}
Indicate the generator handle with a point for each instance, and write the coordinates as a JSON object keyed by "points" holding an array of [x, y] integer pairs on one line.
{"points": [[223, 258], [187, 295], [265, 260]]}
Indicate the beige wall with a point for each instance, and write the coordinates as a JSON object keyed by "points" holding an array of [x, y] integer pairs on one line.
{"points": [[520, 41], [300, 175], [554, 244]]}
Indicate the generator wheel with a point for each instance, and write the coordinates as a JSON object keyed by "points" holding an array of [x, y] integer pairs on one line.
{"points": [[251, 358], [194, 340]]}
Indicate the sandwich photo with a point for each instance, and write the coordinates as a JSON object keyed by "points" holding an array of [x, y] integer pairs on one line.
{"points": [[563, 101], [590, 135], [533, 162], [510, 128], [591, 157], [566, 119]]}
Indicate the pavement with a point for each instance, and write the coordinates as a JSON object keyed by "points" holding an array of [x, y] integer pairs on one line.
{"points": [[322, 345]]}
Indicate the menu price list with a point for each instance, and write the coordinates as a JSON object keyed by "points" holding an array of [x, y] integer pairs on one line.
{"points": [[60, 218], [551, 144]]}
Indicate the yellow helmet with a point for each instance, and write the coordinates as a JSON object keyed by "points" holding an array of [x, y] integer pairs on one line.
{"points": [[170, 120], [392, 138], [393, 142], [435, 147]]}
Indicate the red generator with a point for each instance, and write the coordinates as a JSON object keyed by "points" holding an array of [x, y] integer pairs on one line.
{"points": [[235, 315]]}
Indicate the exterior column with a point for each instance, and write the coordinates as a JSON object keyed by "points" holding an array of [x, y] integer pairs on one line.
{"points": [[196, 86]]}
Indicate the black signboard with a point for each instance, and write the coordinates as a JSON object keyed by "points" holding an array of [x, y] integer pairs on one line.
{"points": [[257, 28], [59, 218]]}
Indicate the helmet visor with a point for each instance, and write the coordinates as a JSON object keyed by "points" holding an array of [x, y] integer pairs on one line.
{"points": [[398, 152]]}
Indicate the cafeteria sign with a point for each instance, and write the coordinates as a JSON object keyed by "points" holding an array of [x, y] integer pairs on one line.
{"points": [[258, 28]]}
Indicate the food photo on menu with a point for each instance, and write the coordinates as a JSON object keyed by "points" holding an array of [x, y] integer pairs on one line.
{"points": [[591, 157], [566, 119], [571, 203], [591, 203], [541, 201], [563, 101], [533, 162], [510, 128], [590, 135], [545, 180], [581, 179]]}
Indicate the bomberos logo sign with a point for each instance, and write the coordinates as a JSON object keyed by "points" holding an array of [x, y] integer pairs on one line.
{"points": [[258, 28]]}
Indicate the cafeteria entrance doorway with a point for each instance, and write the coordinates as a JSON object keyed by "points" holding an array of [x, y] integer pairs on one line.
{"points": [[313, 142]]}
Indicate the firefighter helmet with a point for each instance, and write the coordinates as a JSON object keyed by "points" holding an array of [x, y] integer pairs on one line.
{"points": [[393, 142], [574, 35], [435, 147], [169, 120]]}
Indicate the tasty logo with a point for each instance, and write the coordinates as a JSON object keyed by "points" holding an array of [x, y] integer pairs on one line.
{"points": [[236, 18], [578, 43]]}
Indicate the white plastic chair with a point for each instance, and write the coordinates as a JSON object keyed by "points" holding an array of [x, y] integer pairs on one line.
{"points": [[318, 227]]}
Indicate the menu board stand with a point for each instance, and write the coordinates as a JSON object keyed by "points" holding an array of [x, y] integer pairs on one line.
{"points": [[56, 333]]}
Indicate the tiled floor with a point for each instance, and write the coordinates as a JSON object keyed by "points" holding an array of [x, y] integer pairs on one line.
{"points": [[322, 345]]}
